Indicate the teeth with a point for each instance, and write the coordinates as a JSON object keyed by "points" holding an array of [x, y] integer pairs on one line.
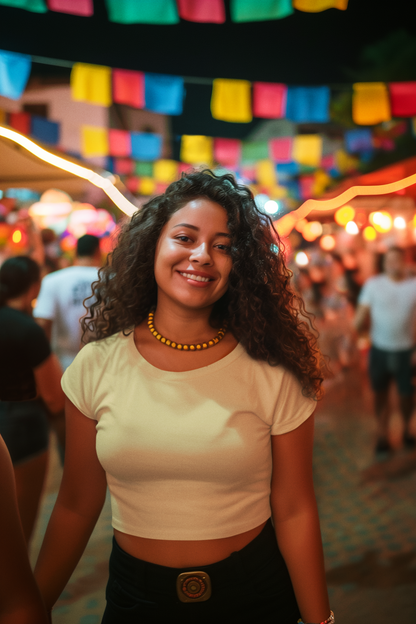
{"points": [[197, 278]]}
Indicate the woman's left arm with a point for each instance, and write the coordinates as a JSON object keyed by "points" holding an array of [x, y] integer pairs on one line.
{"points": [[296, 520]]}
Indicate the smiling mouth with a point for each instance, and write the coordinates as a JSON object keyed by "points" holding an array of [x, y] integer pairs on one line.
{"points": [[196, 278]]}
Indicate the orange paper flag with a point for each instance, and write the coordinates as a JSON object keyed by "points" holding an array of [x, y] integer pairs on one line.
{"points": [[370, 103], [307, 149], [231, 100], [94, 141], [91, 83], [315, 6], [196, 149]]}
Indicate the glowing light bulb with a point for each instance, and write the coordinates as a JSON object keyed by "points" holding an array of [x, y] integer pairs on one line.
{"points": [[351, 228], [399, 223], [301, 259], [312, 230]]}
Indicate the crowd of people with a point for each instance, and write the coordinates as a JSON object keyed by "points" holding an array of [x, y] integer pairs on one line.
{"points": [[189, 390]]}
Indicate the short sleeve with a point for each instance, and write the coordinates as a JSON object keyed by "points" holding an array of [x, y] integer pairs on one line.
{"points": [[292, 407], [45, 303], [37, 345], [78, 384], [365, 295]]}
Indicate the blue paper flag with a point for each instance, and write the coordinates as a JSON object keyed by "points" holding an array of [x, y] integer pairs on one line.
{"points": [[146, 146], [45, 130], [14, 73], [308, 104], [286, 171], [163, 94], [359, 140]]}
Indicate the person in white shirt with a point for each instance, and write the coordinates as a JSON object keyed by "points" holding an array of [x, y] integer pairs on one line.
{"points": [[59, 306], [388, 302]]}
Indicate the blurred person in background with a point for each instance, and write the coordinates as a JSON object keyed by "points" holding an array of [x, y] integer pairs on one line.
{"points": [[59, 306], [20, 600], [387, 303], [29, 380]]}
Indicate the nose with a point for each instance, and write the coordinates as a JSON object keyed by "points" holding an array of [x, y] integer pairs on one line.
{"points": [[201, 254]]}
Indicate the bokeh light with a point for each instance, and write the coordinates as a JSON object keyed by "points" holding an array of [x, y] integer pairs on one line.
{"points": [[369, 233], [344, 215], [312, 230], [17, 237], [327, 242], [301, 259], [399, 223], [352, 228], [381, 221]]}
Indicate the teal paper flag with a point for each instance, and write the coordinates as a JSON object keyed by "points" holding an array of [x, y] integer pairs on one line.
{"points": [[14, 73], [142, 12], [260, 11], [36, 6]]}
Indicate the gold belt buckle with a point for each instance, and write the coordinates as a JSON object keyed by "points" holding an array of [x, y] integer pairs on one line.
{"points": [[193, 586]]}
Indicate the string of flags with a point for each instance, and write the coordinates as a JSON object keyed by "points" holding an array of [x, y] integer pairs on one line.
{"points": [[169, 12], [234, 101]]}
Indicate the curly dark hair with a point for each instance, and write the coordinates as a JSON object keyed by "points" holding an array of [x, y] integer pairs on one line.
{"points": [[262, 310]]}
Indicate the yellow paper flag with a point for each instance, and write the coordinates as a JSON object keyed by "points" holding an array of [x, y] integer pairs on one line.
{"points": [[196, 149], [307, 149], [231, 100], [315, 6], [165, 170], [147, 186], [370, 103], [94, 141], [344, 162], [91, 83], [266, 173]]}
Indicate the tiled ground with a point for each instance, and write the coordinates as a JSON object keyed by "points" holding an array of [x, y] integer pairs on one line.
{"points": [[368, 518]]}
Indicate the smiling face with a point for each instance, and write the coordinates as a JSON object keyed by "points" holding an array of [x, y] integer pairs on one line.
{"points": [[192, 259]]}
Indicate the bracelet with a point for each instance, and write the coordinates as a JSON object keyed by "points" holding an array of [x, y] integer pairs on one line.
{"points": [[330, 620]]}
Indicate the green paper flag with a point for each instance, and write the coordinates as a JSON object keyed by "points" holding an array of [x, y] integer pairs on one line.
{"points": [[142, 12], [254, 151], [36, 6], [255, 11]]}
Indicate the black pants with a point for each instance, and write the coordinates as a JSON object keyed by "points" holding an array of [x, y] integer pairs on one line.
{"points": [[252, 585]]}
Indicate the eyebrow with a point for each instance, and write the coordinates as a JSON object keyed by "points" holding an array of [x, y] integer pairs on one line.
{"points": [[193, 227]]}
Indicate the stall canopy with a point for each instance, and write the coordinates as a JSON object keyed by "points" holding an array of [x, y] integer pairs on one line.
{"points": [[19, 168]]}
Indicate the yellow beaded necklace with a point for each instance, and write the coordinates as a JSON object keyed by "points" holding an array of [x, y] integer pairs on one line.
{"points": [[185, 347]]}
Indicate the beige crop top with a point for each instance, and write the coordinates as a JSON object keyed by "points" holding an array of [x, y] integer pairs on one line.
{"points": [[187, 454]]}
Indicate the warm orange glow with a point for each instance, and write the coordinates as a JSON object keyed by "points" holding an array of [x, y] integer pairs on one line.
{"points": [[312, 230], [285, 225], [17, 236], [369, 233], [360, 218], [327, 242], [381, 221], [301, 224], [344, 215]]}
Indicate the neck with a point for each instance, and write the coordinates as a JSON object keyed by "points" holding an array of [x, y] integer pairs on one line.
{"points": [[396, 277], [182, 325], [19, 303]]}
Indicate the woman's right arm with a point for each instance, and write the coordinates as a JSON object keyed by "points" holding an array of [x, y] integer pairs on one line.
{"points": [[79, 503]]}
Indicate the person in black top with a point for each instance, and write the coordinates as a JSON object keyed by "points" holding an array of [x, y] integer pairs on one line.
{"points": [[29, 381]]}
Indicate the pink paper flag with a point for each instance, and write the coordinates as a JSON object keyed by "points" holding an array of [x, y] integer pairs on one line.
{"points": [[269, 100], [128, 87], [403, 99], [211, 11], [227, 151], [281, 149], [119, 142], [85, 8]]}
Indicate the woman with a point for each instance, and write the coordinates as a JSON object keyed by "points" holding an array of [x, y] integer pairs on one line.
{"points": [[20, 600], [29, 379], [201, 373]]}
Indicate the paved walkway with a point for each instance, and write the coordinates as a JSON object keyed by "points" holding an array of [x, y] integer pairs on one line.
{"points": [[367, 509]]}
